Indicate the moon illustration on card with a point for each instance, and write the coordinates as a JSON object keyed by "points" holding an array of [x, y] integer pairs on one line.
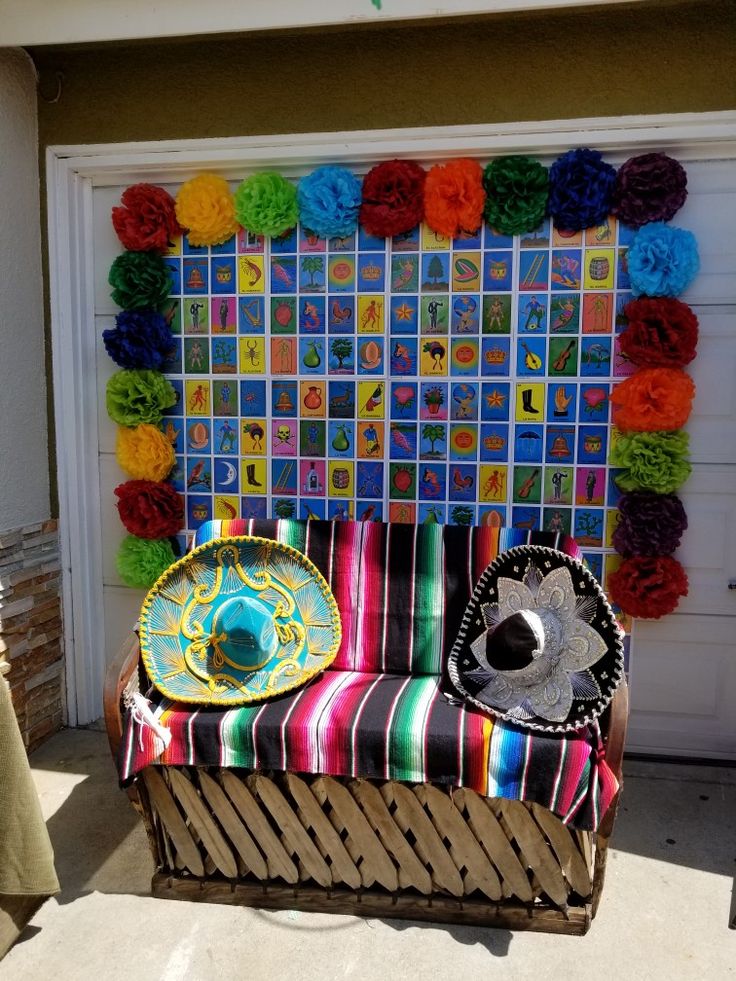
{"points": [[231, 475]]}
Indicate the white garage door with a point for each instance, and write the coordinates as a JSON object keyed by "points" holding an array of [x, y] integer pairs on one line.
{"points": [[683, 668]]}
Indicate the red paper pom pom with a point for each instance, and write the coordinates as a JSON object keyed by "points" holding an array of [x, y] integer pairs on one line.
{"points": [[653, 400], [150, 510], [648, 586], [146, 220], [662, 332], [454, 197], [393, 198]]}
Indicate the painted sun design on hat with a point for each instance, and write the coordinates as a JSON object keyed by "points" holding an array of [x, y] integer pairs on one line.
{"points": [[539, 644]]}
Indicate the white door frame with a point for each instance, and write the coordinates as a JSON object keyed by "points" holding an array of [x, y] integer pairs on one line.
{"points": [[71, 174]]}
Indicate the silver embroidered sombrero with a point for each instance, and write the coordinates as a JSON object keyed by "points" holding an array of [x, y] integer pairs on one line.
{"points": [[238, 620], [539, 644]]}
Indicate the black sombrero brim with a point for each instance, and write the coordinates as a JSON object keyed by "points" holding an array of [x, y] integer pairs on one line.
{"points": [[592, 689]]}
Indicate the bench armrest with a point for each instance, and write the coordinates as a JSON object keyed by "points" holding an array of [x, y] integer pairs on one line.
{"points": [[117, 677], [615, 737]]}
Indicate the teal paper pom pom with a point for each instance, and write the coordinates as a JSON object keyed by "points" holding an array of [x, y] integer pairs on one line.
{"points": [[329, 202], [141, 561], [663, 260], [265, 204], [138, 395], [139, 280]]}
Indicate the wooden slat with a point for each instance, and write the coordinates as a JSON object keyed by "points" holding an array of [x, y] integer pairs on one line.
{"points": [[535, 850], [490, 834], [585, 844], [375, 864], [464, 848], [212, 839], [410, 816], [294, 837], [565, 848], [279, 863], [228, 818], [412, 874], [168, 813], [327, 839], [437, 909]]}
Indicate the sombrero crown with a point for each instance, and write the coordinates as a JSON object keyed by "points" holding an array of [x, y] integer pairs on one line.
{"points": [[238, 620], [539, 644]]}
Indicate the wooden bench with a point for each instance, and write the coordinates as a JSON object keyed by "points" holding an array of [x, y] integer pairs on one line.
{"points": [[384, 848]]}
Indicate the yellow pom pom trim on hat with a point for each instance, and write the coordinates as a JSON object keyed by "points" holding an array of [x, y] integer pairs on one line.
{"points": [[205, 206], [144, 452]]}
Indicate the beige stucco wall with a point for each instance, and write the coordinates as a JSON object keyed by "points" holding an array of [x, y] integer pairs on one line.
{"points": [[24, 482], [658, 57]]}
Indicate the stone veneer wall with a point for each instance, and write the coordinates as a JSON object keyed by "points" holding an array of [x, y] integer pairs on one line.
{"points": [[30, 627]]}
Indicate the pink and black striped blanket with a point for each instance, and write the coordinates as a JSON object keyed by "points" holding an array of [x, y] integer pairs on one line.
{"points": [[385, 709]]}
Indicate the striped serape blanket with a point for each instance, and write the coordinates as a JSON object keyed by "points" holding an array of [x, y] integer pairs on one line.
{"points": [[385, 727], [385, 709]]}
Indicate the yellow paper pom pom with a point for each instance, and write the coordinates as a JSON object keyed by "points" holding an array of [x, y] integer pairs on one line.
{"points": [[144, 452], [205, 206]]}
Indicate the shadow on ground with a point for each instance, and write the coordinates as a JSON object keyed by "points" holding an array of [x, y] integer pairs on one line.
{"points": [[98, 839], [678, 813]]}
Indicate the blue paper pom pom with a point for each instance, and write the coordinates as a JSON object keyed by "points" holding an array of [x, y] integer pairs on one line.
{"points": [[581, 187], [139, 339], [663, 260], [329, 200]]}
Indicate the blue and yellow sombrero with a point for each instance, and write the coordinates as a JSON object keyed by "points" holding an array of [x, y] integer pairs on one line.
{"points": [[238, 620]]}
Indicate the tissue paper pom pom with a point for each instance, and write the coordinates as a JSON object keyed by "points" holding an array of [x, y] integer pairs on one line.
{"points": [[149, 509], [140, 561], [648, 587], [144, 452], [140, 280], [454, 197], [145, 220], [662, 260], [516, 194], [329, 202], [265, 204], [650, 187], [137, 395], [393, 198], [652, 399], [649, 524], [661, 332], [651, 461], [139, 339], [580, 189], [204, 206]]}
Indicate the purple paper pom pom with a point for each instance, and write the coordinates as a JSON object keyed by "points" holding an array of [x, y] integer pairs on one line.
{"points": [[581, 189], [139, 339], [649, 524], [650, 187]]}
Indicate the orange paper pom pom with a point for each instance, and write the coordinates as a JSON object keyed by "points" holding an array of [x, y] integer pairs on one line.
{"points": [[144, 452], [205, 206], [454, 197], [654, 399]]}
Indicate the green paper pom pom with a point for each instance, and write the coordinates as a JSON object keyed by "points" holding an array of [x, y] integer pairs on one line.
{"points": [[140, 280], [656, 462], [141, 561], [517, 189], [138, 395], [265, 204]]}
